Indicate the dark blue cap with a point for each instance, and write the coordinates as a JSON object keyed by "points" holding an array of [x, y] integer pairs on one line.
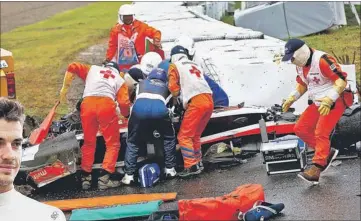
{"points": [[136, 74], [158, 73], [178, 50], [291, 46], [113, 65]]}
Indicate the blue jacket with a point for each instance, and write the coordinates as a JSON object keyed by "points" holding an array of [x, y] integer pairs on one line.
{"points": [[220, 98], [152, 93]]}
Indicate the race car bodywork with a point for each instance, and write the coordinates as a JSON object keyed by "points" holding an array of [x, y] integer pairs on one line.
{"points": [[59, 155]]}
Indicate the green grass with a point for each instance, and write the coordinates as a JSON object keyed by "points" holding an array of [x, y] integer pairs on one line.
{"points": [[350, 17], [229, 19], [237, 5], [43, 50]]}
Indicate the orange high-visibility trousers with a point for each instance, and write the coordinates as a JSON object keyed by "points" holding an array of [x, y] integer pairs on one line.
{"points": [[315, 129], [195, 120], [99, 113]]}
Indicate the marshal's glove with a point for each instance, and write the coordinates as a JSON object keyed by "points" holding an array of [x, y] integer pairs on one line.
{"points": [[68, 78], [325, 106], [287, 103], [294, 96], [63, 93]]}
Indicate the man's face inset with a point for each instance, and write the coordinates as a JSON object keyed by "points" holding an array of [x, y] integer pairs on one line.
{"points": [[10, 151], [127, 19]]}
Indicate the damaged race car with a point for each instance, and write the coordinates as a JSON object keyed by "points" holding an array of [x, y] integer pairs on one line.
{"points": [[53, 150]]}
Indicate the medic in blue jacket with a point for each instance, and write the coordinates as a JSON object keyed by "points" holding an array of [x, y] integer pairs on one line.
{"points": [[149, 114]]}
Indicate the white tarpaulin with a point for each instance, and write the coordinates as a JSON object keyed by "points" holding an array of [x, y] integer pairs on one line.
{"points": [[246, 69], [291, 19]]}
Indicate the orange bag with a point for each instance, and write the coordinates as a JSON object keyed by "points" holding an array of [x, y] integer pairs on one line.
{"points": [[226, 207]]}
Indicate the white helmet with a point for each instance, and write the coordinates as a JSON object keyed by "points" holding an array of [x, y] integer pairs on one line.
{"points": [[187, 43], [150, 61], [125, 9]]}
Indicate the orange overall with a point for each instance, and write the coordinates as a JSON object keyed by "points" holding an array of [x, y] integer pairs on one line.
{"points": [[137, 32], [314, 128], [99, 113], [196, 117]]}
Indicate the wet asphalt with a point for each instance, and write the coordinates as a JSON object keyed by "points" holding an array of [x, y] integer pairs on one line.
{"points": [[337, 197]]}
